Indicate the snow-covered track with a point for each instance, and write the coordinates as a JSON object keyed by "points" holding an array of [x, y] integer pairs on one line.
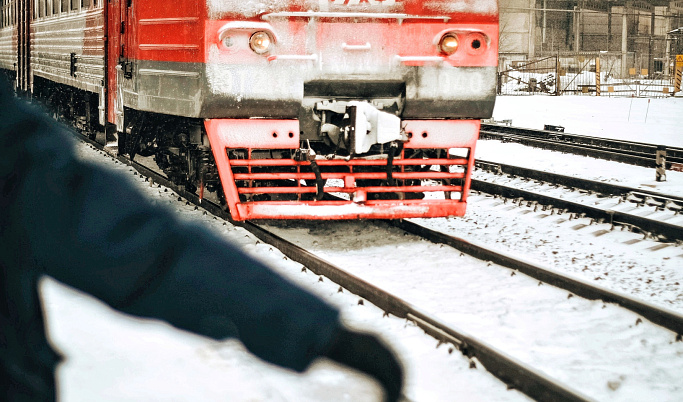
{"points": [[514, 373], [665, 222], [517, 371], [664, 201], [665, 317], [635, 153]]}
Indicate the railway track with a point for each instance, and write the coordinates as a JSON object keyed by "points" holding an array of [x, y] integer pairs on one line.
{"points": [[626, 207], [322, 239], [665, 317], [635, 153], [516, 374], [512, 372]]}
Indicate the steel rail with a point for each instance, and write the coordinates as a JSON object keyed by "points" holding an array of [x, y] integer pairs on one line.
{"points": [[642, 147], [635, 153], [511, 371], [665, 317], [665, 200], [514, 373], [648, 162], [662, 316], [668, 230]]}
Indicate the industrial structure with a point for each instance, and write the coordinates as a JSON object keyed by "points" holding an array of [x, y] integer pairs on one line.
{"points": [[634, 38]]}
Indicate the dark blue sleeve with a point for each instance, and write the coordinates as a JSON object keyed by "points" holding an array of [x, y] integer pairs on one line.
{"points": [[90, 228]]}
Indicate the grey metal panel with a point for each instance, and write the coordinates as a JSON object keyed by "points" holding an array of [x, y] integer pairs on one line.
{"points": [[8, 48], [430, 92], [165, 87], [188, 89], [458, 92], [54, 38]]}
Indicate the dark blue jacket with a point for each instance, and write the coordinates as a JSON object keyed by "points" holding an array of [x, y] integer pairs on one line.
{"points": [[90, 229]]}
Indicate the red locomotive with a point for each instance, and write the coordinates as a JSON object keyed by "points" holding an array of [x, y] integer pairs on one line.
{"points": [[303, 109]]}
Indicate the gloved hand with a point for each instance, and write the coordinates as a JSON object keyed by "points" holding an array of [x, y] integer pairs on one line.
{"points": [[368, 354]]}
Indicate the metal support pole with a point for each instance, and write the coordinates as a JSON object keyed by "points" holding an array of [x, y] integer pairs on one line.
{"points": [[545, 23], [577, 29], [597, 76], [660, 163], [650, 60], [667, 52], [609, 25], [532, 32], [558, 86], [624, 44]]}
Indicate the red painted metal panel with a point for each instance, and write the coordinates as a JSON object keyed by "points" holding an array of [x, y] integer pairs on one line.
{"points": [[380, 43], [362, 176], [344, 162], [442, 134], [409, 43], [255, 133], [476, 11], [183, 33], [374, 189], [258, 176], [169, 33], [346, 210]]}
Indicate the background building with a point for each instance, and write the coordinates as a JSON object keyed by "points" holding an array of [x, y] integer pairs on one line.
{"points": [[632, 38]]}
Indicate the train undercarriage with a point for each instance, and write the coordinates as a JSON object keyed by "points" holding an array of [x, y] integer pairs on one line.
{"points": [[360, 155], [342, 159]]}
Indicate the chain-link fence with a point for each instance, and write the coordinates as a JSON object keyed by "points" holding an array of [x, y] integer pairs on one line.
{"points": [[599, 74]]}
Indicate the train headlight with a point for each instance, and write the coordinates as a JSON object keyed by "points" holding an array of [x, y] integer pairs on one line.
{"points": [[448, 44], [260, 42]]}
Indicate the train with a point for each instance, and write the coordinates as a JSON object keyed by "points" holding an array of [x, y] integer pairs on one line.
{"points": [[283, 109]]}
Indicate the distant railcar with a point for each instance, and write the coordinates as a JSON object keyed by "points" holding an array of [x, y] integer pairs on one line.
{"points": [[300, 109]]}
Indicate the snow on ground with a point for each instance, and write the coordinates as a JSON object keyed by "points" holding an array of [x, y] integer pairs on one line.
{"points": [[579, 166], [595, 348], [618, 118], [113, 357], [618, 260], [656, 121]]}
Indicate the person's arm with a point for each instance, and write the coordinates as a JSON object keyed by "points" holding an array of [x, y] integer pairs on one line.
{"points": [[91, 229]]}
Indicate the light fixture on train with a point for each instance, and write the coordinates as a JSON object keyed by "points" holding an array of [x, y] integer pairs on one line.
{"points": [[476, 43], [448, 44], [260, 42]]}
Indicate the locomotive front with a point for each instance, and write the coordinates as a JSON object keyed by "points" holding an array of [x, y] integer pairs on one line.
{"points": [[341, 109]]}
